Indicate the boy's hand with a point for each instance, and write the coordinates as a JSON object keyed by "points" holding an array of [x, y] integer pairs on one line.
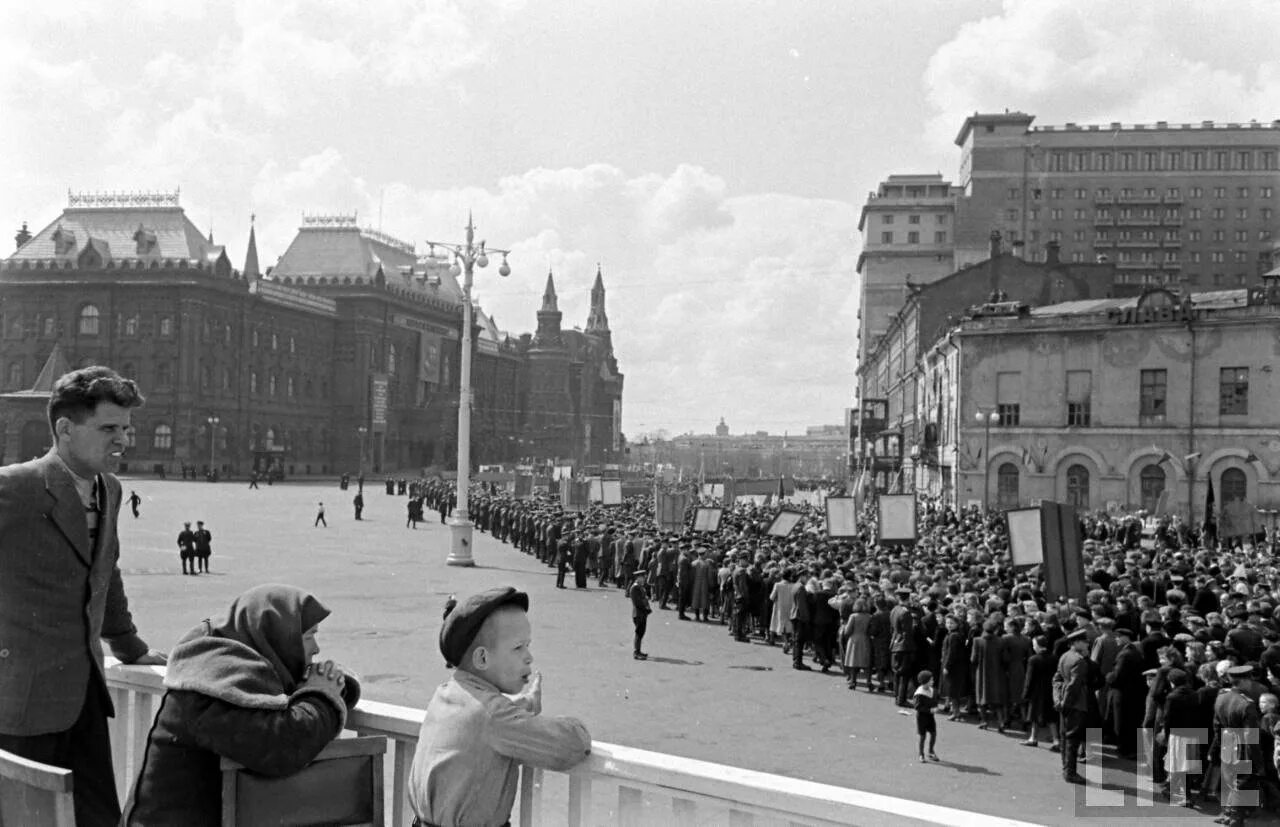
{"points": [[531, 696]]}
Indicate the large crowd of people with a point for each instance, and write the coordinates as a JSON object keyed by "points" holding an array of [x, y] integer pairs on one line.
{"points": [[1174, 647]]}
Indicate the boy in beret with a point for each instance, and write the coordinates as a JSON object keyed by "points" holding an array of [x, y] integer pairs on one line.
{"points": [[486, 720]]}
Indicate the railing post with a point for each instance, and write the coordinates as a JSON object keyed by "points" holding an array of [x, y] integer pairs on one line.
{"points": [[630, 807], [579, 800], [530, 796], [684, 811], [403, 758], [120, 731]]}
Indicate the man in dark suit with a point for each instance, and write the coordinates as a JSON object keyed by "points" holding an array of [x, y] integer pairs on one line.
{"points": [[902, 645], [1127, 694], [801, 613], [61, 591]]}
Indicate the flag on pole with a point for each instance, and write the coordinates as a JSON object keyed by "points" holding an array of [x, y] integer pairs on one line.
{"points": [[782, 492], [1210, 525]]}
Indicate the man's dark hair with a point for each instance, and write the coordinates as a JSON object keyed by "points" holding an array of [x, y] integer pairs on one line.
{"points": [[76, 395]]}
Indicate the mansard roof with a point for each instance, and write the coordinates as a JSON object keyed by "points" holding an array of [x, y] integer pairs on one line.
{"points": [[335, 247], [113, 219]]}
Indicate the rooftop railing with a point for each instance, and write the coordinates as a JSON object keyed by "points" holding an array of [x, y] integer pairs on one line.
{"points": [[615, 785]]}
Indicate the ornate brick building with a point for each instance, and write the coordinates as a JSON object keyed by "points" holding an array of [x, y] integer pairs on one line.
{"points": [[349, 346]]}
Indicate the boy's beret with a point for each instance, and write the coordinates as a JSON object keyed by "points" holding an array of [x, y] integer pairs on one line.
{"points": [[463, 623]]}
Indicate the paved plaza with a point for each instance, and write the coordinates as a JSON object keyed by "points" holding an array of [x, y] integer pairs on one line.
{"points": [[700, 694]]}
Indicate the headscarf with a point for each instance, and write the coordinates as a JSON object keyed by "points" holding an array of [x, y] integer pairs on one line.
{"points": [[256, 658]]}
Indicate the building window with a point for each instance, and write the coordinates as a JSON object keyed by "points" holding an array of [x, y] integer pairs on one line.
{"points": [[289, 385], [253, 382], [913, 237], [1153, 391], [940, 237], [942, 218], [1217, 257], [271, 385], [1079, 398], [206, 377], [1265, 192], [1009, 413], [50, 326], [1149, 161], [1234, 485], [1007, 486], [888, 219], [164, 374], [291, 346], [255, 337], [1266, 213], [1233, 391], [226, 379], [162, 438], [1219, 192], [15, 375], [1242, 235], [275, 342], [1011, 215], [913, 219], [1078, 486], [1151, 481], [1103, 161], [1078, 235], [1220, 160], [886, 237], [1126, 161], [166, 327], [226, 335], [1244, 160], [1173, 160], [89, 320], [1268, 161]]}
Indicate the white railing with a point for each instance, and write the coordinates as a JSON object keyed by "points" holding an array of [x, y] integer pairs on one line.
{"points": [[615, 785]]}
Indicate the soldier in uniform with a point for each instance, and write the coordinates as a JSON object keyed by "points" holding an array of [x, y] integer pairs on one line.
{"points": [[1071, 697], [204, 547], [1235, 742]]}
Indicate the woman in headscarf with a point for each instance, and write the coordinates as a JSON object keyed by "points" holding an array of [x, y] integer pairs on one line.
{"points": [[245, 690]]}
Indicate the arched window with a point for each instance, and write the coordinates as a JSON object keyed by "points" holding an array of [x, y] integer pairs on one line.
{"points": [[1007, 486], [275, 341], [1235, 486], [253, 381], [166, 326], [1151, 482], [89, 320], [1078, 486], [15, 375], [271, 438], [131, 326], [391, 359], [271, 385], [50, 325], [163, 438]]}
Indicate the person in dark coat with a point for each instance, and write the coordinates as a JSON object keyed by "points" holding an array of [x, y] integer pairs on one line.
{"points": [[826, 625], [1235, 713], [246, 690], [801, 617], [879, 632], [902, 646], [1183, 736], [989, 681], [955, 667], [640, 610], [1015, 650], [1037, 693], [563, 558], [187, 550], [1126, 694], [581, 556], [1071, 699], [204, 547]]}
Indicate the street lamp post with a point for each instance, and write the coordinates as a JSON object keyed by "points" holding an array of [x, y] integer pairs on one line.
{"points": [[213, 437], [466, 257], [987, 419], [362, 431]]}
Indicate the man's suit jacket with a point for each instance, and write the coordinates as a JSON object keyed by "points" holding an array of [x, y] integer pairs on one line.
{"points": [[58, 597], [1071, 681]]}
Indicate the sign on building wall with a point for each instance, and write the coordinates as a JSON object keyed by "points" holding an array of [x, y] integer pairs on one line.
{"points": [[378, 394], [428, 357]]}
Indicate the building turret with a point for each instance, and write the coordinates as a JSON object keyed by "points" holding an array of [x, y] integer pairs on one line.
{"points": [[548, 334]]}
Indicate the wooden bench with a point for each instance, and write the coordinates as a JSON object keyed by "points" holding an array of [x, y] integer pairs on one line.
{"points": [[34, 794]]}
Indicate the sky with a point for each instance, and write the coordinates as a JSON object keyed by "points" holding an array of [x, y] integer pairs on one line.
{"points": [[710, 156]]}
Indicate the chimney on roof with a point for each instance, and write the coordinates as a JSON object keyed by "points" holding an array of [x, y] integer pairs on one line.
{"points": [[1053, 253], [995, 243], [23, 236]]}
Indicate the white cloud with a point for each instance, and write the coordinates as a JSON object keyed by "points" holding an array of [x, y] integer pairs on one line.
{"points": [[1084, 60]]}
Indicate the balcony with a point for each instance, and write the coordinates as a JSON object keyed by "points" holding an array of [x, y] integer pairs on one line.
{"points": [[1171, 222], [1138, 244], [1104, 242], [1138, 199], [1104, 222], [1137, 265], [1138, 222], [615, 785], [1104, 200], [1171, 199]]}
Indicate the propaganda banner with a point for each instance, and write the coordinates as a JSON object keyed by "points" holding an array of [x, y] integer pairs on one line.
{"points": [[428, 357]]}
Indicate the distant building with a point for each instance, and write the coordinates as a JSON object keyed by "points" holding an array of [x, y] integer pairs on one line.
{"points": [[351, 329], [819, 452], [722, 429]]}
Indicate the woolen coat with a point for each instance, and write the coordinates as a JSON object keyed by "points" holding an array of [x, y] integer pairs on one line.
{"points": [[857, 643], [955, 665], [1015, 650], [989, 684]]}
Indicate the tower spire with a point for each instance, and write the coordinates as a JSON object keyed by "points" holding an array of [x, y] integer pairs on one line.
{"points": [[549, 295], [597, 319], [251, 255]]}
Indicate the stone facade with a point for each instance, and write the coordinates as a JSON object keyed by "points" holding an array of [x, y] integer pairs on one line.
{"points": [[350, 329]]}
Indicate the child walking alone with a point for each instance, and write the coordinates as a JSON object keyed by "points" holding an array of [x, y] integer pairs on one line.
{"points": [[924, 702]]}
